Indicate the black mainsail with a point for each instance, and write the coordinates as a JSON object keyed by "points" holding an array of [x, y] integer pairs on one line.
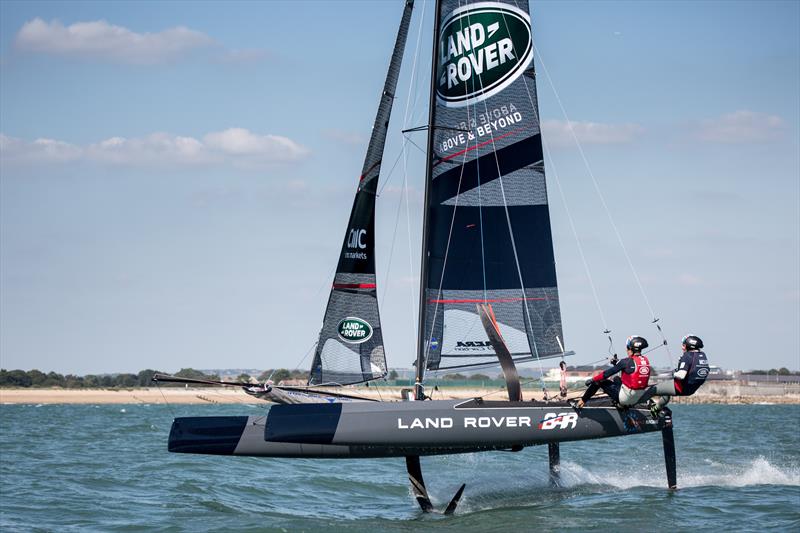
{"points": [[350, 347], [487, 236]]}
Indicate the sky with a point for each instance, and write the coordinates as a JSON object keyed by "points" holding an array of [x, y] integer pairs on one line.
{"points": [[175, 178]]}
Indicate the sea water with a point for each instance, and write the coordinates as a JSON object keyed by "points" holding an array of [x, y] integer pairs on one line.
{"points": [[106, 468]]}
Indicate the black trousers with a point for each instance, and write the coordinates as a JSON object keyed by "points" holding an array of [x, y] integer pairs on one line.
{"points": [[610, 387]]}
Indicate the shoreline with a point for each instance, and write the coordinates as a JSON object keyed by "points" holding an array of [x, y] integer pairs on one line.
{"points": [[221, 395]]}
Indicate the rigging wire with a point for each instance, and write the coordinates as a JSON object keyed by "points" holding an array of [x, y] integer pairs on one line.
{"points": [[447, 249], [446, 254], [169, 406], [418, 147], [602, 199], [411, 86], [308, 352], [391, 250], [513, 244], [554, 173], [537, 118], [584, 261], [389, 176]]}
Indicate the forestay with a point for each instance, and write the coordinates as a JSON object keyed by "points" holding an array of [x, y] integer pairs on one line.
{"points": [[350, 347], [487, 235]]}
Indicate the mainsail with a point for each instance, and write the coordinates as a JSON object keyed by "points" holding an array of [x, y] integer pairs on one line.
{"points": [[350, 347], [486, 236]]}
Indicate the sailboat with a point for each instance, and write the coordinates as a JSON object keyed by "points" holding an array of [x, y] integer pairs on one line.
{"points": [[488, 287]]}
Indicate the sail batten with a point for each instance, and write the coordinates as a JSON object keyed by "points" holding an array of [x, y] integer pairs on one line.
{"points": [[487, 236], [350, 347]]}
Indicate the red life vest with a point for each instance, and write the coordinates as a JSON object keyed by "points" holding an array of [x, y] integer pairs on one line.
{"points": [[637, 380]]}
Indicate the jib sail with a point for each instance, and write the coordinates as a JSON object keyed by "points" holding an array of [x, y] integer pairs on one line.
{"points": [[350, 347], [487, 232]]}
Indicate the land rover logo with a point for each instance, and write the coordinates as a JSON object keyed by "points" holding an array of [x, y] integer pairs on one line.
{"points": [[482, 49], [354, 330]]}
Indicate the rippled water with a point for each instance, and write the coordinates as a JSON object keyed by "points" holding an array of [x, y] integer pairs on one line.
{"points": [[106, 468]]}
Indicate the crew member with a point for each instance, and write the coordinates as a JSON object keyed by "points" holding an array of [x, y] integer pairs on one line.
{"points": [[691, 373], [563, 381], [631, 384]]}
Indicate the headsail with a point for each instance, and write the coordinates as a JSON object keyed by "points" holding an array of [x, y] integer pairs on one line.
{"points": [[487, 234], [350, 347]]}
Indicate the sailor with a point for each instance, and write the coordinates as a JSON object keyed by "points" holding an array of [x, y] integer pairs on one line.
{"points": [[563, 381], [690, 375], [631, 384]]}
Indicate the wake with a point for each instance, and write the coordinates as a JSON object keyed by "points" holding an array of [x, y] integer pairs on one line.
{"points": [[757, 472]]}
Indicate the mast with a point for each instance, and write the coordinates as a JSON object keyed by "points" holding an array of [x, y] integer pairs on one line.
{"points": [[419, 391]]}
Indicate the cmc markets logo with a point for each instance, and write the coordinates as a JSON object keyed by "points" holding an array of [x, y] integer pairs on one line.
{"points": [[354, 330], [355, 238], [356, 242], [482, 49]]}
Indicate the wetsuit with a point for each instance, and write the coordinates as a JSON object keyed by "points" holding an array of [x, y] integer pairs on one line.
{"points": [[628, 387], [690, 375]]}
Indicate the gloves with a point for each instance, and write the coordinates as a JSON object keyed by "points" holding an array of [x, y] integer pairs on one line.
{"points": [[589, 381], [614, 360]]}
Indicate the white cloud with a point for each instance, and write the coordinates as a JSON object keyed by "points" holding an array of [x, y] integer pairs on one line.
{"points": [[557, 132], [241, 142], [101, 40], [740, 127], [235, 146], [156, 148], [40, 149]]}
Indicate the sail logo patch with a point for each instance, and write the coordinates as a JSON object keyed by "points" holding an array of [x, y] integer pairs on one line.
{"points": [[474, 346], [354, 330], [355, 238], [482, 49], [560, 420]]}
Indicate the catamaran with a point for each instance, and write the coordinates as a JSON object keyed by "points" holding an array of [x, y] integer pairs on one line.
{"points": [[488, 288]]}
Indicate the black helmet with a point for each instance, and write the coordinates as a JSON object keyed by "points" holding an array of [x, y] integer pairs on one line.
{"points": [[636, 343], [692, 342]]}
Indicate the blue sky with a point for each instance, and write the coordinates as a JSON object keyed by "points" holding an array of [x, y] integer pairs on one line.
{"points": [[175, 178]]}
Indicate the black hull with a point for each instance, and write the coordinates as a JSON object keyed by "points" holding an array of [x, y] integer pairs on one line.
{"points": [[360, 430]]}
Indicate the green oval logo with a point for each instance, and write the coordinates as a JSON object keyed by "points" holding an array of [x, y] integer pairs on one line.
{"points": [[354, 330], [483, 48]]}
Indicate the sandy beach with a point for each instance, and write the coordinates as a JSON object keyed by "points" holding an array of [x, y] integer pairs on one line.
{"points": [[222, 395], [196, 395]]}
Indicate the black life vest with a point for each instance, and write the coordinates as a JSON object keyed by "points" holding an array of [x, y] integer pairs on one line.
{"points": [[696, 374]]}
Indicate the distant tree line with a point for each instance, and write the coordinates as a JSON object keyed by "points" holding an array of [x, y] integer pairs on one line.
{"points": [[37, 378], [783, 371], [144, 378]]}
